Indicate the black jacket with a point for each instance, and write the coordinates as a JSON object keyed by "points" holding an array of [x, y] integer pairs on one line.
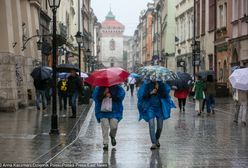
{"points": [[74, 84]]}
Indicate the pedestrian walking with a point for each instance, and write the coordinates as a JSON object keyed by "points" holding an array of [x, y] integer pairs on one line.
{"points": [[181, 95], [40, 89], [109, 111], [154, 101], [237, 105], [131, 82], [74, 88], [199, 94], [243, 98], [62, 93], [210, 92]]}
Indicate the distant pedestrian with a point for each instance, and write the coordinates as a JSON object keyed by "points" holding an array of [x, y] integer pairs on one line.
{"points": [[199, 94], [62, 93], [109, 111], [210, 92], [181, 95], [243, 99], [154, 101], [237, 105], [74, 88], [40, 89], [131, 82]]}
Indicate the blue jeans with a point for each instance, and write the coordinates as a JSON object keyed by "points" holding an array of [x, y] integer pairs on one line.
{"points": [[210, 103], [73, 102], [155, 136], [41, 97]]}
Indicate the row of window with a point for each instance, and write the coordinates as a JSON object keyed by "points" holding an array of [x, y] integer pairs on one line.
{"points": [[239, 12]]}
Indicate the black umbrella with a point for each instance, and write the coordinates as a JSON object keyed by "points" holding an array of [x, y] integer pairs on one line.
{"points": [[41, 73], [184, 82], [67, 68]]}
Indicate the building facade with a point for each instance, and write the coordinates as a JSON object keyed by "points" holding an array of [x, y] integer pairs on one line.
{"points": [[168, 31], [238, 41], [111, 54], [19, 53], [184, 34], [205, 34], [222, 34]]}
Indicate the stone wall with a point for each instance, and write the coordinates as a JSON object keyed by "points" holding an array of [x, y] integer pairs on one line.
{"points": [[13, 83]]}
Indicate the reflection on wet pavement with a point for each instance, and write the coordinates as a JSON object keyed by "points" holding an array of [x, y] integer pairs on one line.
{"points": [[186, 141]]}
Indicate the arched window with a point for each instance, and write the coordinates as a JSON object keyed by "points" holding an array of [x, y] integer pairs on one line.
{"points": [[112, 44]]}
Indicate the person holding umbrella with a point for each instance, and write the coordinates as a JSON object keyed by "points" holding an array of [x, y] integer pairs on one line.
{"points": [[199, 94], [239, 81], [40, 89], [210, 94], [108, 96], [181, 95], [154, 101], [109, 118], [74, 88], [62, 92]]}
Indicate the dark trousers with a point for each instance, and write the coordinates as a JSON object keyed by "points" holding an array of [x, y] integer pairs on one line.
{"points": [[72, 101], [203, 104], [181, 103], [237, 108], [62, 99], [132, 88]]}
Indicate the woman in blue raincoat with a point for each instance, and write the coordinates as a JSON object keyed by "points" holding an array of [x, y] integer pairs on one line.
{"points": [[154, 101], [109, 119]]}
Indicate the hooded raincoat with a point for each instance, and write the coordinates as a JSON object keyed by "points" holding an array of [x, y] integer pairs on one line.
{"points": [[118, 95], [151, 106]]}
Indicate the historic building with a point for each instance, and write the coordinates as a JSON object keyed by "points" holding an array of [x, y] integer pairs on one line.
{"points": [[239, 39], [222, 34], [205, 34], [111, 53], [184, 34], [22, 22]]}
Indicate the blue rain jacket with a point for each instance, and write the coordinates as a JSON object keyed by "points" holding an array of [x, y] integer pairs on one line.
{"points": [[118, 95], [151, 106]]}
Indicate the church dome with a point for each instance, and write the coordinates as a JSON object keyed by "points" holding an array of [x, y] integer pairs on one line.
{"points": [[110, 22]]}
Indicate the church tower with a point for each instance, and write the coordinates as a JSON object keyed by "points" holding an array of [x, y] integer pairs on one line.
{"points": [[111, 54]]}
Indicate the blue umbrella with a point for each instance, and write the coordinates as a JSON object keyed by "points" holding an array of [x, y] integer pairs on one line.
{"points": [[41, 73], [134, 75]]}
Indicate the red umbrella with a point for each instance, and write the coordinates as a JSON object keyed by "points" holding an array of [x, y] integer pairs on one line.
{"points": [[107, 77]]}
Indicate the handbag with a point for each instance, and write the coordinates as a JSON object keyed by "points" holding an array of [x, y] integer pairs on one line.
{"points": [[106, 105]]}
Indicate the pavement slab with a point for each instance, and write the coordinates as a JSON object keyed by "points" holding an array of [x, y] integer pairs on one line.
{"points": [[187, 140]]}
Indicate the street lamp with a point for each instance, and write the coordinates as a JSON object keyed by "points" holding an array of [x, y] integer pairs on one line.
{"points": [[88, 53], [79, 39], [54, 4]]}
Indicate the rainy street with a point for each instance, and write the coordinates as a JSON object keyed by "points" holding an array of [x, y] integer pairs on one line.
{"points": [[186, 141]]}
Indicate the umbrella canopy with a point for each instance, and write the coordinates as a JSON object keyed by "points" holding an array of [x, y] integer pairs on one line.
{"points": [[134, 75], [107, 77], [239, 79], [63, 75], [67, 68], [83, 75], [41, 73], [157, 73], [204, 74], [184, 82]]}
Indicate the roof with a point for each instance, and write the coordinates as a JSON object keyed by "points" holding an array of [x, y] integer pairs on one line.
{"points": [[111, 22]]}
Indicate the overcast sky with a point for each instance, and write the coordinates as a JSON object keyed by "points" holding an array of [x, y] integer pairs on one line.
{"points": [[126, 11]]}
